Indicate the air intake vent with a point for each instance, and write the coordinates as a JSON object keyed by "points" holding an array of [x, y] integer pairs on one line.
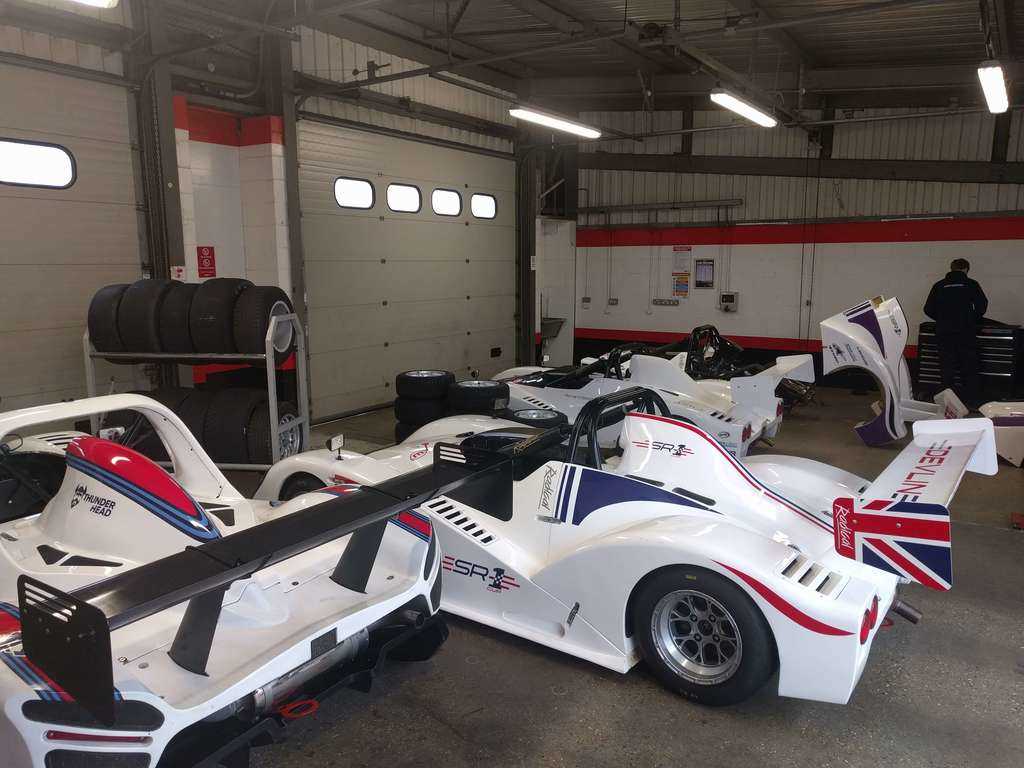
{"points": [[536, 403], [456, 514], [807, 573]]}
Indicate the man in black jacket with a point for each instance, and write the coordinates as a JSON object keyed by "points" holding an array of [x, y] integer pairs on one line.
{"points": [[957, 305]]}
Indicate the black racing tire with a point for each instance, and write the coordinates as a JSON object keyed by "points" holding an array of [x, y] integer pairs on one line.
{"points": [[138, 316], [175, 336], [211, 318], [298, 484], [259, 433], [542, 418], [402, 432], [416, 413], [227, 424], [192, 410], [253, 311], [102, 318], [477, 396], [741, 675], [424, 384]]}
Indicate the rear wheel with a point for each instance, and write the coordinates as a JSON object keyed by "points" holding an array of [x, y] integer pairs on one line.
{"points": [[702, 636], [296, 485]]}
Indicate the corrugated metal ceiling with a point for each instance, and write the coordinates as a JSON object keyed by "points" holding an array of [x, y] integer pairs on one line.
{"points": [[942, 31]]}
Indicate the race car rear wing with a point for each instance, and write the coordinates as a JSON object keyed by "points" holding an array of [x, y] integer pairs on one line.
{"points": [[67, 635], [901, 521]]}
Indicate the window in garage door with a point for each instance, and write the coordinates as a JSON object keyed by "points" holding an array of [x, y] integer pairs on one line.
{"points": [[60, 241], [390, 291]]}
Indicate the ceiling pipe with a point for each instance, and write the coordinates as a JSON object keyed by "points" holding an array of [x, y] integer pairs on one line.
{"points": [[679, 205]]}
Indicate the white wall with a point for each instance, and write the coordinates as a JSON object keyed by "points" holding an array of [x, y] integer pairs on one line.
{"points": [[556, 282], [775, 280]]}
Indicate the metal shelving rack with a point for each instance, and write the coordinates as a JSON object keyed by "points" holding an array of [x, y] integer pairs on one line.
{"points": [[203, 358]]}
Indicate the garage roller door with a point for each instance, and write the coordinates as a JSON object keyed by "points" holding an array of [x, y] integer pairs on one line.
{"points": [[391, 291], [57, 246]]}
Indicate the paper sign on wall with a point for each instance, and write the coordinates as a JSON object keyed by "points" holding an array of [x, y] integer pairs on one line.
{"points": [[207, 259], [681, 258], [680, 284], [704, 276], [177, 272]]}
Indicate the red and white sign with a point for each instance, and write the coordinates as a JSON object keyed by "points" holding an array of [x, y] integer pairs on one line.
{"points": [[177, 272], [207, 260]]}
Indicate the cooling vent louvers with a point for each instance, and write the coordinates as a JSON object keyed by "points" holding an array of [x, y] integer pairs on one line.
{"points": [[455, 515], [807, 573]]}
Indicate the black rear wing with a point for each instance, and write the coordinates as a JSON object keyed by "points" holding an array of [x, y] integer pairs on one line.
{"points": [[67, 635]]}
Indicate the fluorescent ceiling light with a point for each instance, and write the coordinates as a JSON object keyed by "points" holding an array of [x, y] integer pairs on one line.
{"points": [[993, 83], [743, 108], [558, 123], [98, 3]]}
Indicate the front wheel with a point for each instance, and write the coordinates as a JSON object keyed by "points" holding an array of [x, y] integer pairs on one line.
{"points": [[703, 637]]}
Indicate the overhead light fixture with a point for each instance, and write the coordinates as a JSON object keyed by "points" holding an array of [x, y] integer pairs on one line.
{"points": [[99, 3], [993, 83], [551, 121], [743, 108]]}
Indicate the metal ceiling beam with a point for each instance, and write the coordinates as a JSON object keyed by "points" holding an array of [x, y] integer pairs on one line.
{"points": [[1004, 13], [391, 33], [460, 65], [810, 18], [828, 168], [222, 17], [678, 205], [779, 36], [39, 18], [45, 65], [456, 17], [317, 87], [572, 22]]}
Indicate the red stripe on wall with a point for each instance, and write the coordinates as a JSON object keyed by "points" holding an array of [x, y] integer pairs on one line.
{"points": [[212, 126], [180, 107], [265, 129], [753, 342], [1006, 228]]}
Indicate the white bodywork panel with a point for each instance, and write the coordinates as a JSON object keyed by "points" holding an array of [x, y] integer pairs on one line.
{"points": [[561, 571], [1009, 423], [872, 336], [110, 516]]}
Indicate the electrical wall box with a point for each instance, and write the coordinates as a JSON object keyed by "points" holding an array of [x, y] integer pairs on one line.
{"points": [[665, 302], [728, 301], [613, 302]]}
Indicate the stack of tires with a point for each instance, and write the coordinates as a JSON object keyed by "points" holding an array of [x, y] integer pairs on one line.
{"points": [[222, 315], [233, 425], [422, 398], [425, 396]]}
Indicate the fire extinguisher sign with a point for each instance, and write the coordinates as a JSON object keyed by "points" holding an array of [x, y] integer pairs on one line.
{"points": [[207, 260]]}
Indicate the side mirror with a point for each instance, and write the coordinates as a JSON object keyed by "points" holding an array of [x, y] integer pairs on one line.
{"points": [[336, 443], [111, 433]]}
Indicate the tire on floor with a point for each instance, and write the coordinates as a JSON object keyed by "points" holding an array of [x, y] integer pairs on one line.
{"points": [[424, 384]]}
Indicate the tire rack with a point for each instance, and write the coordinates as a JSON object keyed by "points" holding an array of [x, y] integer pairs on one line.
{"points": [[202, 358]]}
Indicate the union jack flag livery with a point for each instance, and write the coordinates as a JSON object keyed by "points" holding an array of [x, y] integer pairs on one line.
{"points": [[907, 538]]}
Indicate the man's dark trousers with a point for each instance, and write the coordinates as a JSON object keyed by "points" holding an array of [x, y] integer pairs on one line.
{"points": [[960, 350]]}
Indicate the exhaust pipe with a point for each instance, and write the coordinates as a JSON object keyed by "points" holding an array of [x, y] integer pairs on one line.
{"points": [[906, 611]]}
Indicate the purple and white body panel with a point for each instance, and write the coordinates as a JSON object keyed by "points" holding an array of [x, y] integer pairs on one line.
{"points": [[1008, 419], [872, 336]]}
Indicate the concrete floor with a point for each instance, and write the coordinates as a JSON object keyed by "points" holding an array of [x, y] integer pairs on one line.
{"points": [[948, 692]]}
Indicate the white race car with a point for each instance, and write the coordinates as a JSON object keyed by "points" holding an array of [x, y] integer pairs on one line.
{"points": [[712, 570], [872, 336], [103, 663], [738, 412]]}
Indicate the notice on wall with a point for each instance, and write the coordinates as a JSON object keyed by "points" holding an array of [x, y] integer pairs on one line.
{"points": [[177, 272], [704, 273], [681, 258], [680, 285], [207, 260]]}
